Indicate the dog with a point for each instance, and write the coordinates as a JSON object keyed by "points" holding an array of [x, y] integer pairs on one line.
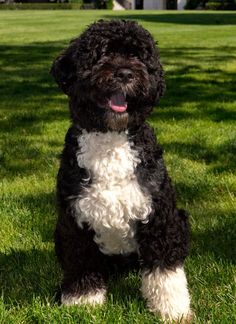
{"points": [[116, 204]]}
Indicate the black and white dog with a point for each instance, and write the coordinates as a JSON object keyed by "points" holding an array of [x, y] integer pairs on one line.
{"points": [[116, 201]]}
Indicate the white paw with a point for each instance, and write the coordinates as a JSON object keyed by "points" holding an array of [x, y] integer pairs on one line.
{"points": [[92, 298], [167, 294]]}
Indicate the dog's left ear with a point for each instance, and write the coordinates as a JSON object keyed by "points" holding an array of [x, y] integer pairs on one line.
{"points": [[63, 71], [161, 85], [157, 70]]}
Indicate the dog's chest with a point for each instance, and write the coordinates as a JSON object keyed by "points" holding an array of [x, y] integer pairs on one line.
{"points": [[114, 200]]}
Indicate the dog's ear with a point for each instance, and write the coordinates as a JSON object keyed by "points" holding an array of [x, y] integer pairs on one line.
{"points": [[63, 71], [156, 70], [161, 85]]}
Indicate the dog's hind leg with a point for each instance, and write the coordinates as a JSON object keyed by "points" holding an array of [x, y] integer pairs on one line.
{"points": [[84, 266]]}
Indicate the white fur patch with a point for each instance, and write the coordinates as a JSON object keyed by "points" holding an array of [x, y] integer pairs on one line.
{"points": [[93, 298], [167, 293], [114, 201]]}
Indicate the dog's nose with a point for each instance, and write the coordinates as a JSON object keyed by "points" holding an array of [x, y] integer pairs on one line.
{"points": [[124, 74]]}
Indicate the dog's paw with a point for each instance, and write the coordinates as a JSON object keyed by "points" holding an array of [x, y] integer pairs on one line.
{"points": [[187, 318], [181, 319], [168, 316], [93, 298], [167, 294]]}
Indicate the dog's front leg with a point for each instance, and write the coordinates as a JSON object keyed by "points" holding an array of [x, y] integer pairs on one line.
{"points": [[84, 267], [162, 248], [166, 293]]}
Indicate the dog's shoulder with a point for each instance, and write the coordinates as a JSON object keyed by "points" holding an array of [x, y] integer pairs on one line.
{"points": [[72, 135], [71, 178], [151, 172], [146, 143]]}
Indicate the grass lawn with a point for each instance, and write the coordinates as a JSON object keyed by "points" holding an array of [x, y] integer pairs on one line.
{"points": [[195, 123]]}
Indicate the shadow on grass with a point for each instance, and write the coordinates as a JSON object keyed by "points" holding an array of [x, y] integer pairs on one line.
{"points": [[25, 274], [220, 158], [216, 114], [188, 82], [125, 288], [217, 241], [26, 82], [42, 210], [182, 18], [24, 157], [28, 274], [30, 100]]}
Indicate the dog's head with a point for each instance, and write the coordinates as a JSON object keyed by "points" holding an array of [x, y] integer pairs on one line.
{"points": [[112, 75]]}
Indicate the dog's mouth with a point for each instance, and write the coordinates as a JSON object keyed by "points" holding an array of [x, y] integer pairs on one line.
{"points": [[118, 102]]}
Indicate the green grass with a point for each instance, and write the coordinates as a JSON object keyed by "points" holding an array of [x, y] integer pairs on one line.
{"points": [[195, 123]]}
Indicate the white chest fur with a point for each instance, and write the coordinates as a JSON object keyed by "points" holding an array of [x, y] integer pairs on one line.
{"points": [[114, 201]]}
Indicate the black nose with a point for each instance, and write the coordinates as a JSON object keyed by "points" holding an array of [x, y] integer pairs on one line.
{"points": [[124, 74]]}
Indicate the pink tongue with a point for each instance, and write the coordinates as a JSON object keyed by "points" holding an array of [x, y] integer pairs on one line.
{"points": [[118, 103]]}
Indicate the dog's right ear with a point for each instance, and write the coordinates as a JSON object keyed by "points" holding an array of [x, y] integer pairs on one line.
{"points": [[63, 71]]}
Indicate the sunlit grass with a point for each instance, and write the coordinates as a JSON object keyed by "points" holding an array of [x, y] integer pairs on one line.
{"points": [[195, 123]]}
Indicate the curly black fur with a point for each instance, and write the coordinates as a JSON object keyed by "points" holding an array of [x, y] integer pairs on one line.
{"points": [[86, 72]]}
